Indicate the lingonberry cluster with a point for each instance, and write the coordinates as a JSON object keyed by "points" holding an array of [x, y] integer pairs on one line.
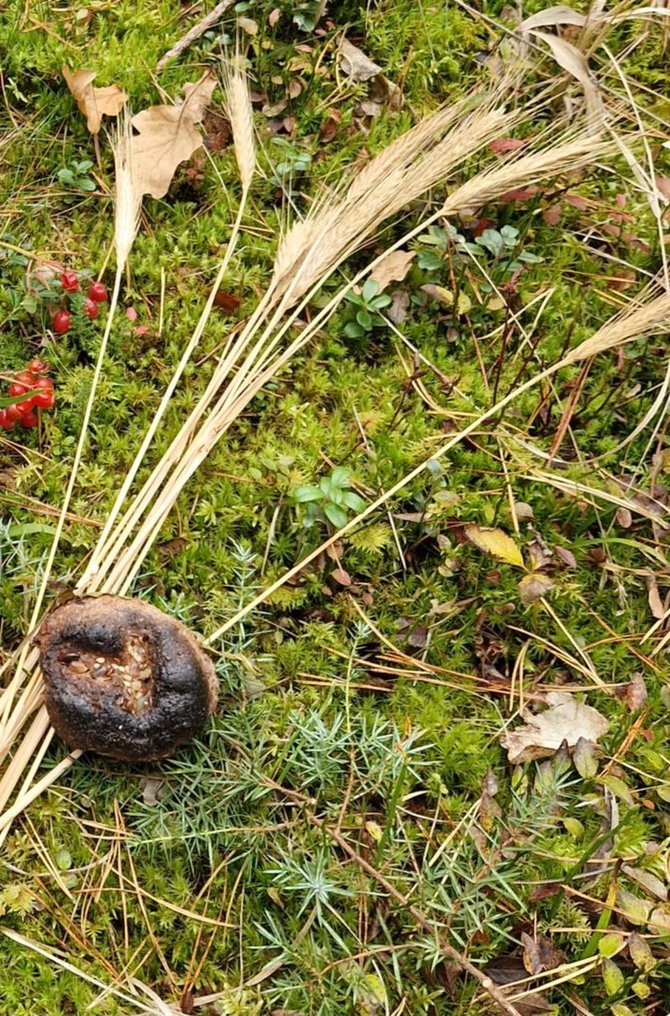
{"points": [[32, 390], [97, 294]]}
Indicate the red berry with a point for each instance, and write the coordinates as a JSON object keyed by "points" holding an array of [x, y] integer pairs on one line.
{"points": [[38, 366], [29, 420], [45, 398], [91, 308], [16, 388], [98, 291], [62, 321], [46, 401], [13, 412], [5, 422], [70, 282], [25, 406], [26, 377]]}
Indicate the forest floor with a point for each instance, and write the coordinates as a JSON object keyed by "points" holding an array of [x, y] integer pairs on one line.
{"points": [[351, 833]]}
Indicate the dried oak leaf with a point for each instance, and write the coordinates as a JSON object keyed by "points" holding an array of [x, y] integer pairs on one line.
{"points": [[359, 67], [355, 64], [392, 268], [94, 103], [167, 135], [567, 719], [534, 586]]}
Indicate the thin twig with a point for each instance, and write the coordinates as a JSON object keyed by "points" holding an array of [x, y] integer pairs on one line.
{"points": [[194, 33]]}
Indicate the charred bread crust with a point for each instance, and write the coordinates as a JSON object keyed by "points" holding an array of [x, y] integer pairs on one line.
{"points": [[123, 679]]}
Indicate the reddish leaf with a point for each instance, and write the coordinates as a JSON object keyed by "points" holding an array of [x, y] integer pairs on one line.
{"points": [[329, 127], [227, 301], [552, 215], [566, 556], [663, 185], [576, 201], [502, 145], [520, 194], [482, 224], [341, 576]]}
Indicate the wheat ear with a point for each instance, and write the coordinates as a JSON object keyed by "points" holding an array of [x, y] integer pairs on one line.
{"points": [[237, 104]]}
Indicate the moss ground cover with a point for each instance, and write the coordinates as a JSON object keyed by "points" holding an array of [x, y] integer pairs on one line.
{"points": [[353, 775]]}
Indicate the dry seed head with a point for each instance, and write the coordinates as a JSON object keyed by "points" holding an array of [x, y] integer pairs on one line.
{"points": [[237, 103], [128, 197], [521, 172], [631, 324], [403, 171]]}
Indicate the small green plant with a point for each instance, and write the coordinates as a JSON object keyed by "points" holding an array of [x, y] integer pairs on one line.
{"points": [[497, 243], [368, 304], [330, 500], [293, 161], [75, 177]]}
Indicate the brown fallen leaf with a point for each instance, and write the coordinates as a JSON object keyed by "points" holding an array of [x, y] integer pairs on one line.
{"points": [[438, 293], [355, 64], [94, 103], [635, 693], [495, 542], [341, 576], [167, 135], [393, 268], [534, 586], [567, 719], [654, 598], [397, 312]]}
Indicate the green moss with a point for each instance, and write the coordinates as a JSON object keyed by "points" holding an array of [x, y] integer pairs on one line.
{"points": [[386, 731]]}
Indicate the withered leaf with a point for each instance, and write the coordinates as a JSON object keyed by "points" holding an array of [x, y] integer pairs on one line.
{"points": [[355, 64], [640, 953], [636, 692], [647, 880], [397, 312], [495, 542], [439, 293], [534, 586], [567, 719], [393, 268], [654, 598], [341, 576], [566, 556], [167, 135], [94, 103]]}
